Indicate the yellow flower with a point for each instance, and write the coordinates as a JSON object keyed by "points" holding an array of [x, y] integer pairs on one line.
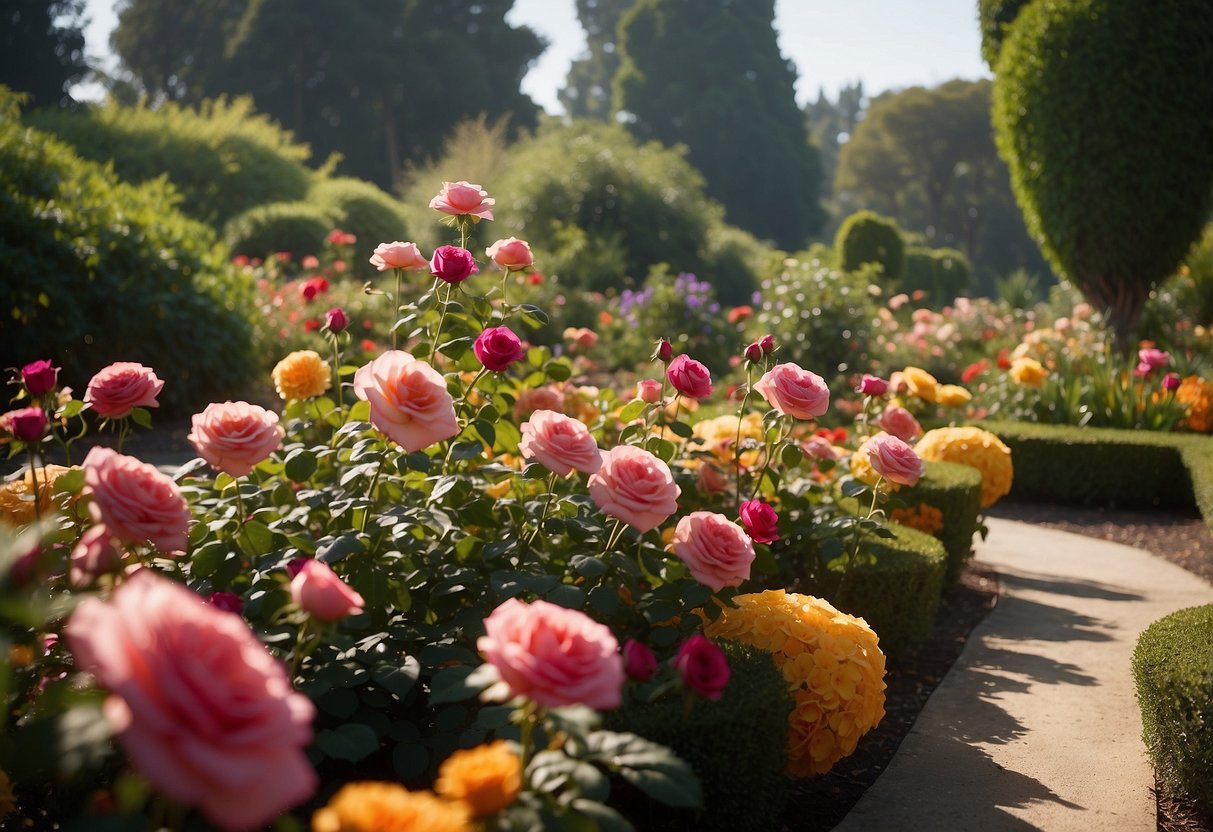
{"points": [[388, 807], [832, 664], [1197, 395], [498, 489], [974, 447], [720, 434], [16, 497], [487, 778], [302, 375], [920, 383], [925, 518], [952, 395], [1028, 371]]}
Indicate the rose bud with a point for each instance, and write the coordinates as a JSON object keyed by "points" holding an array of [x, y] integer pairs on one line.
{"points": [[754, 352], [638, 661], [1170, 382], [664, 351], [873, 386], [497, 348], [336, 320], [767, 342], [322, 594], [452, 264], [703, 667], [39, 377], [28, 424]]}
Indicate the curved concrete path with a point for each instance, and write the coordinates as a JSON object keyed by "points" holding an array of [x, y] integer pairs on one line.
{"points": [[1036, 726]]}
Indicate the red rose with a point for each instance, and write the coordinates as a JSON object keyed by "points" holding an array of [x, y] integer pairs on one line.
{"points": [[703, 667]]}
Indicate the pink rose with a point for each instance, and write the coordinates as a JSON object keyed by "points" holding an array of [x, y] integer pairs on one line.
{"points": [[118, 389], [511, 253], [1171, 382], [203, 711], [819, 447], [793, 391], [398, 255], [634, 486], [716, 550], [409, 400], [689, 377], [581, 337], [649, 391], [135, 500], [538, 398], [324, 596], [27, 424], [1150, 360], [553, 656], [711, 481], [234, 436], [753, 353], [760, 521], [900, 422], [703, 667], [893, 459], [460, 198], [93, 556], [452, 264], [39, 377], [497, 348], [560, 443], [873, 386], [639, 663]]}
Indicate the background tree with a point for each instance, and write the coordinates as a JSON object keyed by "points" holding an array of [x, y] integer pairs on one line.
{"points": [[587, 90], [831, 124], [708, 74], [42, 48], [1102, 113]]}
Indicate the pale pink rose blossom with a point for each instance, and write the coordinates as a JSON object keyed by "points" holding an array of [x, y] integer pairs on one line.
{"points": [[398, 255], [716, 550], [553, 656], [202, 710], [634, 486], [511, 253], [649, 391], [893, 459], [711, 481], [899, 422], [538, 398], [136, 501], [560, 443], [318, 590], [95, 554], [793, 391], [234, 436], [118, 389], [463, 198], [409, 401]]}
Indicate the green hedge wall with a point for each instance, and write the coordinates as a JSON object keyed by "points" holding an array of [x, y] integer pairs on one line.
{"points": [[1106, 465], [956, 491], [297, 227], [1173, 669]]}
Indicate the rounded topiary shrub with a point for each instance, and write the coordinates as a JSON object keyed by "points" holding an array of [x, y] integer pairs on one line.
{"points": [[943, 274], [97, 271], [296, 227], [944, 504], [1174, 677], [362, 209], [867, 237]]}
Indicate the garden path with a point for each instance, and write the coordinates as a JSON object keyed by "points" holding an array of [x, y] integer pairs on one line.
{"points": [[1037, 726]]}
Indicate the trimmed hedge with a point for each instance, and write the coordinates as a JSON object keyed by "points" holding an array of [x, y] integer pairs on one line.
{"points": [[362, 209], [1107, 465], [297, 227], [955, 490], [1174, 676], [867, 237], [943, 273], [737, 747]]}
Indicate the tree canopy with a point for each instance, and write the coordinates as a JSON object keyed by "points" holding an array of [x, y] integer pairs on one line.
{"points": [[42, 48], [587, 91]]}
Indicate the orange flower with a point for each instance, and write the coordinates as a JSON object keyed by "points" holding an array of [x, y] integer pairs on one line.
{"points": [[739, 313], [302, 375], [925, 518], [387, 807], [1197, 395], [487, 778]]}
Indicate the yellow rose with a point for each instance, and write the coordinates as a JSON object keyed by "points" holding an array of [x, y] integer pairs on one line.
{"points": [[976, 448], [920, 383], [302, 375], [952, 395], [1028, 371], [487, 778]]}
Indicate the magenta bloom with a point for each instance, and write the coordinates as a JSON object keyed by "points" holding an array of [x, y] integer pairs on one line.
{"points": [[638, 661], [452, 264], [873, 386], [497, 348], [664, 352], [767, 342], [760, 521], [28, 424], [703, 667], [227, 601], [1171, 382], [1149, 360], [39, 377], [336, 320], [689, 377], [754, 352]]}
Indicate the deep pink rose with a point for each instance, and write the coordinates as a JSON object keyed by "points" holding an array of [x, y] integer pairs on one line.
{"points": [[760, 521], [135, 500], [873, 386], [753, 353], [767, 342], [336, 320], [409, 400], [27, 424], [716, 550], [553, 656], [118, 389], [1171, 382], [497, 348], [639, 663], [893, 459], [203, 711], [452, 264], [460, 198], [793, 391], [664, 351], [511, 253], [900, 422], [93, 556], [703, 667], [649, 391], [560, 443], [39, 377], [227, 601], [634, 486], [1151, 359], [322, 594], [689, 377], [398, 255], [234, 436]]}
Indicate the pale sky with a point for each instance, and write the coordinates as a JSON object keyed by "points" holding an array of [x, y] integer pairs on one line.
{"points": [[888, 44]]}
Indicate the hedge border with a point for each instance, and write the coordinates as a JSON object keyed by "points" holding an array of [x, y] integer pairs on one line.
{"points": [[955, 490]]}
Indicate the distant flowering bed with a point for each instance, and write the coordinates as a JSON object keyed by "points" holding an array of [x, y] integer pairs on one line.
{"points": [[402, 601]]}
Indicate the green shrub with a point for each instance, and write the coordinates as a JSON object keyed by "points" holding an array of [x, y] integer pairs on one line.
{"points": [[995, 16], [955, 491], [297, 227], [97, 270], [942, 273], [1106, 465], [223, 158], [737, 746], [362, 209], [1174, 677], [867, 237]]}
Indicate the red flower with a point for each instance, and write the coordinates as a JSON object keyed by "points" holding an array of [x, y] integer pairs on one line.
{"points": [[974, 370], [311, 324], [1004, 362]]}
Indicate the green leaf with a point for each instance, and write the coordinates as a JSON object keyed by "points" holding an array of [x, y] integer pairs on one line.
{"points": [[142, 417], [663, 449], [256, 538], [588, 565], [300, 464], [567, 595], [351, 742], [681, 429], [558, 371], [632, 410], [455, 684], [791, 455], [456, 347], [70, 482], [604, 817], [652, 768], [418, 461], [486, 431]]}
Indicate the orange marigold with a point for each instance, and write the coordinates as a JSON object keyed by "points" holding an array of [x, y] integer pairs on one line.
{"points": [[302, 375], [1196, 395], [487, 778], [388, 807]]}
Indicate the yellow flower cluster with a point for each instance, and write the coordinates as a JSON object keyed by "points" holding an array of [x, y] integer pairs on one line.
{"points": [[302, 375], [16, 497], [977, 448], [1197, 395], [487, 778], [926, 518], [862, 470], [1028, 372], [389, 807], [832, 664], [720, 434]]}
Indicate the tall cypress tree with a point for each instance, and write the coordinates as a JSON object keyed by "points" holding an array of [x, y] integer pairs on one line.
{"points": [[587, 91]]}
